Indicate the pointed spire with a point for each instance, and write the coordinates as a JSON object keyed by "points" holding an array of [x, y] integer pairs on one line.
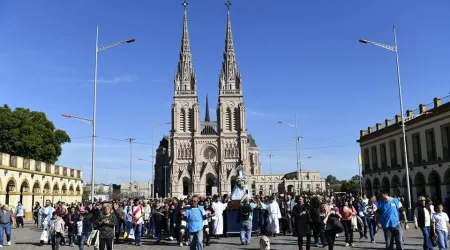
{"points": [[207, 110], [230, 78], [185, 78]]}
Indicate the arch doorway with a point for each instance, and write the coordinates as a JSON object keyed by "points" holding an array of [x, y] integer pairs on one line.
{"points": [[36, 190], [396, 186], [10, 188], [447, 180], [187, 186], [290, 189], [368, 187], [211, 186], [434, 180], [385, 185], [419, 183], [376, 186], [24, 188]]}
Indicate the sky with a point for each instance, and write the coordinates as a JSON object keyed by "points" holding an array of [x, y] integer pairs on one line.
{"points": [[295, 57]]}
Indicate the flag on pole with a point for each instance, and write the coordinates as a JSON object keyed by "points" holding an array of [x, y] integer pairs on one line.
{"points": [[359, 158]]}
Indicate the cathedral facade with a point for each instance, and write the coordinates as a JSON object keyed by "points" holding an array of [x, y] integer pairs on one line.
{"points": [[203, 155]]}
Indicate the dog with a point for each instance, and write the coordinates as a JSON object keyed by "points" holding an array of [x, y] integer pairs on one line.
{"points": [[264, 243]]}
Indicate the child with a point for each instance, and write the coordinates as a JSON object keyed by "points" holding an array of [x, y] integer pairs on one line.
{"points": [[56, 230], [440, 227], [181, 227], [82, 230]]}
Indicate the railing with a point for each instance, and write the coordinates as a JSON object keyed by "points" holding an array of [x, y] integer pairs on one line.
{"points": [[37, 166], [411, 113], [26, 164], [13, 161], [185, 92], [230, 92], [48, 168]]}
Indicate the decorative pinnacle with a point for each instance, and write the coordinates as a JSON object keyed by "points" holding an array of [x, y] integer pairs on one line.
{"points": [[228, 4], [185, 4], [207, 119]]}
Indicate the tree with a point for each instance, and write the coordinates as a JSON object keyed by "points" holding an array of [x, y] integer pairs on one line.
{"points": [[349, 187], [100, 191], [355, 179], [30, 134], [331, 179]]}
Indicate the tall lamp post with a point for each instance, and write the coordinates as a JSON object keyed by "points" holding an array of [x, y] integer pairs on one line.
{"points": [[131, 162], [153, 155], [165, 181], [394, 49], [98, 49], [297, 150]]}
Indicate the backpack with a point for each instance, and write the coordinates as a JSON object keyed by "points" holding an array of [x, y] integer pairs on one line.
{"points": [[336, 225], [245, 211]]}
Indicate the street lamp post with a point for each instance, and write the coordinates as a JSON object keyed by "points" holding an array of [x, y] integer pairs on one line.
{"points": [[297, 150], [131, 161], [153, 155], [395, 50], [94, 115], [165, 180]]}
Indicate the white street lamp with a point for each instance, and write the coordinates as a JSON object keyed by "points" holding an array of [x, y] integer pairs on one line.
{"points": [[297, 149], [153, 155], [395, 50], [93, 121]]}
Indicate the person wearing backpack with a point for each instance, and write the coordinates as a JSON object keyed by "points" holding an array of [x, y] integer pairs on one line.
{"points": [[246, 218], [332, 225]]}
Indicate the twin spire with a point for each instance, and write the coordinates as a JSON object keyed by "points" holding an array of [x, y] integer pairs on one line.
{"points": [[185, 78]]}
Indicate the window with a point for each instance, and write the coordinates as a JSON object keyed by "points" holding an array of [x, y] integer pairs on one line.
{"points": [[431, 145], [228, 118], [393, 151], [236, 120], [417, 152], [445, 134], [366, 160], [383, 156], [183, 120], [374, 158]]}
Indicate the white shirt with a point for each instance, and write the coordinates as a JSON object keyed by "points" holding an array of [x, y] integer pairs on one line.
{"points": [[365, 201], [441, 221], [138, 214]]}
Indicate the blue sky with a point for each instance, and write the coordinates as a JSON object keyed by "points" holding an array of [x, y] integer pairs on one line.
{"points": [[295, 57]]}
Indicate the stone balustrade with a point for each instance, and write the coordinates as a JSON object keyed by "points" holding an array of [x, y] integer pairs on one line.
{"points": [[34, 166]]}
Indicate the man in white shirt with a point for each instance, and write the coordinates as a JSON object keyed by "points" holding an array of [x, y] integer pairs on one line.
{"points": [[20, 213], [137, 214]]}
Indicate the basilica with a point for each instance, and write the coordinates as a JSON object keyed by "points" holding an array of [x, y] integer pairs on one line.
{"points": [[203, 155]]}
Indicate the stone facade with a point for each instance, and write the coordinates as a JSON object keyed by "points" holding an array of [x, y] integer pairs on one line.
{"points": [[203, 155], [138, 189], [32, 181], [428, 153]]}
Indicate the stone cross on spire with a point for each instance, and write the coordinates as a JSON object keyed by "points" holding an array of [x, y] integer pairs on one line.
{"points": [[230, 77], [185, 79]]}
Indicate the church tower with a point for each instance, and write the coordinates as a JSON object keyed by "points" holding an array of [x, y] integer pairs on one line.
{"points": [[185, 112], [231, 110]]}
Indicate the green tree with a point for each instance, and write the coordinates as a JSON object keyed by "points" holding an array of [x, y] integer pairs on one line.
{"points": [[331, 179], [349, 186], [30, 134], [355, 179]]}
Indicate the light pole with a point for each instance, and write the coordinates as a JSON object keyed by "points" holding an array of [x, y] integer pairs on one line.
{"points": [[297, 150], [359, 174], [153, 155], [94, 115], [270, 165], [395, 50], [165, 181], [131, 160]]}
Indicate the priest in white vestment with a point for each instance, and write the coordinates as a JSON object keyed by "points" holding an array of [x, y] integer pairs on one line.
{"points": [[273, 215], [218, 220]]}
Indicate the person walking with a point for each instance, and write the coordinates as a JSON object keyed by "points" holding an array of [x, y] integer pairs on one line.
{"points": [[389, 210], [347, 212], [6, 220], [246, 219], [369, 214], [105, 225], [56, 227], [441, 226], [301, 223], [20, 214], [195, 217], [422, 220]]}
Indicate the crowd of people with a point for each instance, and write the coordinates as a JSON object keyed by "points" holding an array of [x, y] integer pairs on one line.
{"points": [[193, 221]]}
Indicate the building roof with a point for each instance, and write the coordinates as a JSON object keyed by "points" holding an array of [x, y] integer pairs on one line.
{"points": [[252, 141]]}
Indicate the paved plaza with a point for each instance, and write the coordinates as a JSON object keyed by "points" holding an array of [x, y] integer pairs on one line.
{"points": [[28, 238]]}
